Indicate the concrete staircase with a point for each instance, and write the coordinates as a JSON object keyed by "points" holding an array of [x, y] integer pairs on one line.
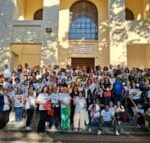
{"points": [[126, 128]]}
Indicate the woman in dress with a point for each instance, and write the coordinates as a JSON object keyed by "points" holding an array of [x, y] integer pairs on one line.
{"points": [[119, 110]]}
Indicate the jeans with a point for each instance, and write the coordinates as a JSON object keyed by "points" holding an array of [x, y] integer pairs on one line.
{"points": [[18, 114], [118, 98], [30, 113], [42, 121], [94, 122], [107, 100], [105, 124]]}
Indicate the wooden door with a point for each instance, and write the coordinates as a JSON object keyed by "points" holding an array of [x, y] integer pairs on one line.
{"points": [[80, 62]]}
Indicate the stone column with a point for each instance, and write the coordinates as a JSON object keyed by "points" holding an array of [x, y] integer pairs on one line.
{"points": [[16, 10], [6, 11], [50, 22], [146, 9], [118, 33]]}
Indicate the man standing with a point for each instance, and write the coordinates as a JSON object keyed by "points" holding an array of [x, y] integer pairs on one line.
{"points": [[6, 72], [4, 108], [118, 90]]}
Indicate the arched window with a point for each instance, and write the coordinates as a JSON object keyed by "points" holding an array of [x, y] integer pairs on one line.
{"points": [[129, 14], [38, 15], [84, 21]]}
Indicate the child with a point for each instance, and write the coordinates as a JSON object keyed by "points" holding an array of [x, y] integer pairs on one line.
{"points": [[94, 119]]}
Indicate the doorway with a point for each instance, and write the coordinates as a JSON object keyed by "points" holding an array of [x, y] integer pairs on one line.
{"points": [[80, 62], [25, 53]]}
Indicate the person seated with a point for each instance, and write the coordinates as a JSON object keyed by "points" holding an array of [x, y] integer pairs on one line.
{"points": [[119, 110], [135, 93], [112, 107], [147, 118], [94, 104], [94, 118], [139, 115], [106, 118]]}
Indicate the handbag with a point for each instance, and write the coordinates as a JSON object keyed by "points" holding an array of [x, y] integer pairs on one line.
{"points": [[48, 107]]}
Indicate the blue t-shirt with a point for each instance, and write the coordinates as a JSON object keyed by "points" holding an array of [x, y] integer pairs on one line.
{"points": [[117, 88]]}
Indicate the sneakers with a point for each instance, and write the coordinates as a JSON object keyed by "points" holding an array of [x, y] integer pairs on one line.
{"points": [[89, 129], [117, 133], [53, 129], [99, 132], [138, 126], [28, 128], [75, 130], [43, 134]]}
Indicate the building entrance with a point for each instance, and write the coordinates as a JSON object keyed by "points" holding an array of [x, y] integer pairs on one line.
{"points": [[80, 62]]}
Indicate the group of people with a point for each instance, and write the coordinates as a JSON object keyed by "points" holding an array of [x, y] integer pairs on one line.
{"points": [[78, 99]]}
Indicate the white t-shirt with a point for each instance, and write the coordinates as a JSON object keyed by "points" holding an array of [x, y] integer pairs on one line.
{"points": [[137, 93], [140, 111], [38, 86], [80, 104], [92, 87], [30, 101], [11, 94], [17, 85], [25, 90], [65, 99], [96, 105], [112, 110], [6, 84], [42, 99], [6, 103], [18, 100], [95, 114], [7, 73], [54, 97], [106, 115]]}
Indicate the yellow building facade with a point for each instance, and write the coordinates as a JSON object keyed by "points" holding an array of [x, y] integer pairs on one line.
{"points": [[80, 32]]}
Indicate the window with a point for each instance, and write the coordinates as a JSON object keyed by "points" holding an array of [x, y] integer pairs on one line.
{"points": [[129, 14], [83, 23], [28, 10], [38, 15]]}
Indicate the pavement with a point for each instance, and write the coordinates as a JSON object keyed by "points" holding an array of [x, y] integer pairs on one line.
{"points": [[33, 137]]}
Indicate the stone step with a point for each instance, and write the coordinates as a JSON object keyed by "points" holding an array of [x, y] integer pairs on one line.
{"points": [[33, 137], [106, 131], [127, 128]]}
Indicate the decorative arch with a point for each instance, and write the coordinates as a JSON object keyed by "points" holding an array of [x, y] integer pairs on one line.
{"points": [[38, 15], [129, 14], [83, 21]]}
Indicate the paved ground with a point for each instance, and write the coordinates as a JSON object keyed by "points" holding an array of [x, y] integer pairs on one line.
{"points": [[33, 137]]}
